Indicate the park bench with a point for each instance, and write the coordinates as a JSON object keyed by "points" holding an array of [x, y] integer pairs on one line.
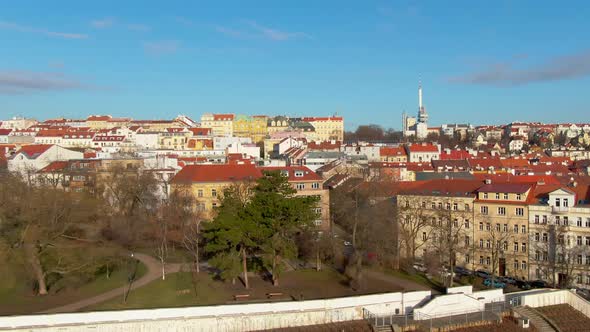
{"points": [[271, 295], [241, 296]]}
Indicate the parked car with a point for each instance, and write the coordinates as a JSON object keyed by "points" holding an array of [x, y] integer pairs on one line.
{"points": [[462, 271], [482, 273], [538, 284], [419, 267], [508, 280], [523, 284], [494, 283]]}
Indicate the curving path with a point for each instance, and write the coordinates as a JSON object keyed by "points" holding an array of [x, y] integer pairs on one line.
{"points": [[154, 271]]}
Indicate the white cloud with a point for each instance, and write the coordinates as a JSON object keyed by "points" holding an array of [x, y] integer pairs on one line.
{"points": [[18, 82], [23, 28], [161, 47]]}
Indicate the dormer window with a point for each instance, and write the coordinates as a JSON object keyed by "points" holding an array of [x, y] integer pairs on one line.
{"points": [[505, 196], [298, 174], [518, 197], [497, 195]]}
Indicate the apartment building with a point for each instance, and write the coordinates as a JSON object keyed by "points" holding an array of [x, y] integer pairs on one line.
{"points": [[327, 128], [501, 231], [437, 220], [559, 222], [308, 183], [220, 124], [254, 127]]}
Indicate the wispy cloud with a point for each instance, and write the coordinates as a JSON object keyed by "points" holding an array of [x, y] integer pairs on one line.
{"points": [[275, 34], [184, 21], [49, 33], [19, 82], [564, 67], [252, 30], [138, 27], [103, 23], [161, 47]]}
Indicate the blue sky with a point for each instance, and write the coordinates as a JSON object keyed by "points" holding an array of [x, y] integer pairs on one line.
{"points": [[479, 61]]}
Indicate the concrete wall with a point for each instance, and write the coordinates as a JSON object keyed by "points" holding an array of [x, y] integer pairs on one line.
{"points": [[555, 297], [446, 305], [242, 317]]}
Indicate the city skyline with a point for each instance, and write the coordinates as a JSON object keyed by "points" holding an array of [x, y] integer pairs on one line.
{"points": [[361, 61]]}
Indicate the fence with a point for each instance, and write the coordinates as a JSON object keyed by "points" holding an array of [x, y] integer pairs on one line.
{"points": [[493, 312]]}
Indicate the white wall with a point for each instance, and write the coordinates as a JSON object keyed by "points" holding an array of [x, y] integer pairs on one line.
{"points": [[239, 317], [445, 305]]}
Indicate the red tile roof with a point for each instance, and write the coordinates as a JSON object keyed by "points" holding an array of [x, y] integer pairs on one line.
{"points": [[223, 117], [4, 132], [515, 188], [98, 118], [200, 131], [323, 146], [35, 150], [441, 187], [455, 154], [392, 151], [327, 118], [55, 166], [216, 173], [307, 174], [422, 148]]}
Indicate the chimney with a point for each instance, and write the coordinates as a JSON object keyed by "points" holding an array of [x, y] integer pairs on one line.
{"points": [[488, 181]]}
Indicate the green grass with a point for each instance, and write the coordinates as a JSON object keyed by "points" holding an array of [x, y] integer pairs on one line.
{"points": [[176, 291], [416, 277], [16, 296]]}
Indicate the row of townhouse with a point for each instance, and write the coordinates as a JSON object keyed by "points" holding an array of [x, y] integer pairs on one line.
{"points": [[206, 184], [523, 230], [259, 127]]}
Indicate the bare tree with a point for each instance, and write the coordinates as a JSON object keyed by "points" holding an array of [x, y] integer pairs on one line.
{"points": [[413, 223], [447, 237]]}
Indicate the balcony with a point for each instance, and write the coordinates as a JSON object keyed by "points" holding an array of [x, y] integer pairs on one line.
{"points": [[559, 209]]}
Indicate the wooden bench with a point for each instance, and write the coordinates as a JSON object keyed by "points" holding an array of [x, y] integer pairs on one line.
{"points": [[271, 295], [241, 296]]}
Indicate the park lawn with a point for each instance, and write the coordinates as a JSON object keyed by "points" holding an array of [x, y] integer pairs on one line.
{"points": [[418, 278], [176, 291], [17, 298]]}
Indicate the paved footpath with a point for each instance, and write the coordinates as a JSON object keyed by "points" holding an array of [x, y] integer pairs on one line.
{"points": [[154, 271]]}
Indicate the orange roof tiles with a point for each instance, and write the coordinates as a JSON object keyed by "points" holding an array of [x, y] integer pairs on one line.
{"points": [[306, 173], [216, 173]]}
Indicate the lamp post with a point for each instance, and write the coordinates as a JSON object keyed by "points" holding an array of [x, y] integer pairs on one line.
{"points": [[131, 274]]}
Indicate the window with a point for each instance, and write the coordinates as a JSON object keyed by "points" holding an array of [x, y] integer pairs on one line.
{"points": [[439, 205], [579, 279], [456, 223], [523, 247], [485, 195], [587, 259], [520, 212], [523, 265], [317, 210], [423, 236], [579, 259], [214, 192], [523, 229], [497, 195], [78, 178], [501, 211], [579, 240], [448, 205], [588, 280], [565, 221], [481, 226], [505, 246], [467, 241], [467, 259], [200, 193], [587, 222], [301, 186], [518, 197], [505, 196], [579, 222], [433, 205], [515, 264], [423, 204], [537, 255], [557, 202], [318, 222], [557, 220], [498, 227], [537, 236], [536, 218], [545, 256], [588, 240], [515, 228], [481, 260], [481, 243], [484, 210], [455, 206], [316, 185], [505, 227], [466, 223], [544, 237], [488, 244], [488, 226], [565, 202], [488, 260], [544, 219], [466, 207], [560, 239], [298, 174], [516, 246]]}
